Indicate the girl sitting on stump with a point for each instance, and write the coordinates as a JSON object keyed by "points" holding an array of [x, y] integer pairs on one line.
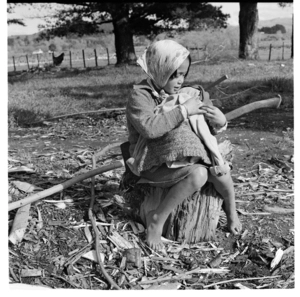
{"points": [[170, 137]]}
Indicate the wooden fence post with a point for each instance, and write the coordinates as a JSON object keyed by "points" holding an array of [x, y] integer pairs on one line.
{"points": [[107, 56], [83, 58], [14, 64], [283, 50], [270, 51], [27, 62], [96, 58], [70, 59]]}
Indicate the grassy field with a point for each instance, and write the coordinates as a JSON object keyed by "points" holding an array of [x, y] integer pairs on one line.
{"points": [[212, 52], [32, 97], [206, 44]]}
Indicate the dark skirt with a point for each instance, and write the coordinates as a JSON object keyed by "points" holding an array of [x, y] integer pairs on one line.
{"points": [[164, 177]]}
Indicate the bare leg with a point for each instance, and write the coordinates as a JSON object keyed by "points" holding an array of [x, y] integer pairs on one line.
{"points": [[176, 195], [224, 186]]}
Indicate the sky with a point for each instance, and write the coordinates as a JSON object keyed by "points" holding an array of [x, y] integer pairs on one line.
{"points": [[266, 11]]}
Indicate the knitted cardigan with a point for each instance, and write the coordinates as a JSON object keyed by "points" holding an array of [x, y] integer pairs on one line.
{"points": [[160, 130]]}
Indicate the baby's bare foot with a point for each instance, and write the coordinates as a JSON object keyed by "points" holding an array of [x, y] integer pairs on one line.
{"points": [[154, 231], [234, 225]]}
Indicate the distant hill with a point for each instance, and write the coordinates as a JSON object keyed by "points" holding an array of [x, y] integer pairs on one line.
{"points": [[106, 28], [286, 22]]}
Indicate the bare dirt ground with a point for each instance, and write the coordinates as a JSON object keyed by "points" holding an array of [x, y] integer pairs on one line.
{"points": [[55, 250]]}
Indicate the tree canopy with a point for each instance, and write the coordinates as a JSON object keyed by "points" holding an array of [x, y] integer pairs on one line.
{"points": [[11, 21], [128, 19], [273, 29], [144, 18], [284, 4]]}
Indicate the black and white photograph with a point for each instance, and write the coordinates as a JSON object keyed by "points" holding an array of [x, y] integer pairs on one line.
{"points": [[150, 146]]}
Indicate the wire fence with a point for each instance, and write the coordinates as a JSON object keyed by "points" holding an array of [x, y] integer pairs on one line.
{"points": [[87, 58], [84, 58], [266, 52]]}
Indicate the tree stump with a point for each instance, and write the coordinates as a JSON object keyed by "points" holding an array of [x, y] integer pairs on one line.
{"points": [[194, 220]]}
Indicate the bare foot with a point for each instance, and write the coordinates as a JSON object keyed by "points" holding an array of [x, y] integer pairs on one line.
{"points": [[234, 225], [154, 231]]}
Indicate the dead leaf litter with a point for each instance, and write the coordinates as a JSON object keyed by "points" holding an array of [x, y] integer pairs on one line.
{"points": [[52, 241]]}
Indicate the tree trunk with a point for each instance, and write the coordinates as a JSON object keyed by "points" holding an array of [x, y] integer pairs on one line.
{"points": [[248, 21], [195, 220], [123, 35], [292, 39]]}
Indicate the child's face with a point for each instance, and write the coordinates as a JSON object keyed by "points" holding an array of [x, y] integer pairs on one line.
{"points": [[174, 83]]}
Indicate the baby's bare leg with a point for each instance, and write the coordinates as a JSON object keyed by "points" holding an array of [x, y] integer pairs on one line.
{"points": [[224, 186], [176, 195]]}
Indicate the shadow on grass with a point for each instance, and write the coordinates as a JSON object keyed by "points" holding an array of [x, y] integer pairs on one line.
{"points": [[19, 117], [15, 77], [231, 94], [97, 96], [27, 76], [236, 94], [264, 120]]}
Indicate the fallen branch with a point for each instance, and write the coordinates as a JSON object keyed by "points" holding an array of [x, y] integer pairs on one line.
{"points": [[267, 190], [74, 258], [79, 113], [19, 225], [65, 185], [65, 280], [280, 190], [107, 148], [185, 275], [163, 279], [224, 77], [278, 210], [93, 221], [268, 103], [253, 213], [97, 244], [13, 275], [240, 280], [253, 193]]}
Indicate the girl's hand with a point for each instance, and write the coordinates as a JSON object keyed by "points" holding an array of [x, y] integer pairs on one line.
{"points": [[194, 106], [214, 115]]}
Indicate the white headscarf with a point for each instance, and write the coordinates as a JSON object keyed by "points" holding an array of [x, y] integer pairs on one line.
{"points": [[161, 59]]}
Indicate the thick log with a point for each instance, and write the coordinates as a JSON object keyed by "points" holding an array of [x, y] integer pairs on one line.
{"points": [[194, 220], [267, 103]]}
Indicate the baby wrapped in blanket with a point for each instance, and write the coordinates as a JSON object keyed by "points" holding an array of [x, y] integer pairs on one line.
{"points": [[200, 128]]}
